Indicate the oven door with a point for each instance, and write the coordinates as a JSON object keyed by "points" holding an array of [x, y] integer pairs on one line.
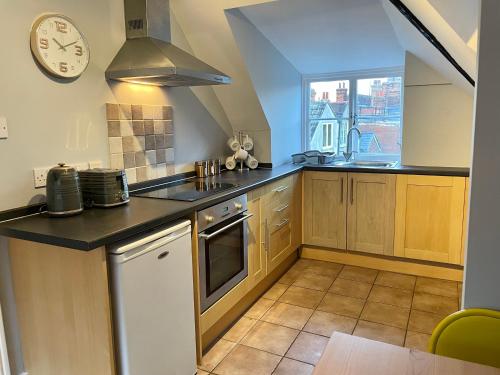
{"points": [[223, 258]]}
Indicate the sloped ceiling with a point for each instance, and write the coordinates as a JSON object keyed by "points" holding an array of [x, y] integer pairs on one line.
{"points": [[319, 36], [411, 39]]}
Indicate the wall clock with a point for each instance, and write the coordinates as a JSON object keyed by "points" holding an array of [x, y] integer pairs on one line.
{"points": [[59, 47]]}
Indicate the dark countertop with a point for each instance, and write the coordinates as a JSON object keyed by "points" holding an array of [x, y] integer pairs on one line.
{"points": [[99, 227]]}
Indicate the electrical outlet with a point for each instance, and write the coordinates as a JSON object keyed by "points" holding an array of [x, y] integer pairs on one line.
{"points": [[4, 131], [95, 164], [40, 176]]}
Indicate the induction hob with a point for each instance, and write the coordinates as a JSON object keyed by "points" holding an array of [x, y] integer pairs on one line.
{"points": [[188, 191]]}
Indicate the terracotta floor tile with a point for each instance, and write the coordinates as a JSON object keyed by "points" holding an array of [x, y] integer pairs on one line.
{"points": [[307, 348], [270, 338], [259, 308], [302, 297], [445, 288], [342, 305], [385, 314], [290, 276], [239, 329], [416, 340], [435, 304], [325, 268], [391, 296], [396, 280], [365, 275], [380, 332], [423, 322], [201, 372], [289, 366], [275, 291], [244, 360], [216, 354], [323, 323], [312, 280], [290, 316], [350, 288]]}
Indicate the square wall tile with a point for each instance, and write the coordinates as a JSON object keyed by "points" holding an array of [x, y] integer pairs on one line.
{"points": [[112, 111], [158, 112], [138, 127], [140, 159], [150, 142], [114, 129], [131, 175], [169, 140], [160, 141], [160, 157], [129, 160], [126, 128], [148, 112], [169, 155], [159, 127], [167, 113], [125, 112], [116, 161], [149, 127], [161, 170], [137, 112], [151, 157], [170, 170], [169, 127], [115, 145], [142, 174]]}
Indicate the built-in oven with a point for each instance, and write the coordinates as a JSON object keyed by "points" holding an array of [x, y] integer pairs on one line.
{"points": [[223, 249]]}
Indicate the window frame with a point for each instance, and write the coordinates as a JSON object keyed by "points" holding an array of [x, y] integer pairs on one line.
{"points": [[352, 77]]}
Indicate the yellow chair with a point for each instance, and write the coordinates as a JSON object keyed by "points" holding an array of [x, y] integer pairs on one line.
{"points": [[470, 335]]}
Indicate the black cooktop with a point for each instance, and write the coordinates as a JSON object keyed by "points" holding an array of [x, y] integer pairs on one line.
{"points": [[189, 191]]}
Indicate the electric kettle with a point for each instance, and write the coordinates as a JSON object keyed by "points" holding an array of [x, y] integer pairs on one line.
{"points": [[64, 195]]}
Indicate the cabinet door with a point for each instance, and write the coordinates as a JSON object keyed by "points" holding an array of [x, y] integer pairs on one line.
{"points": [[465, 228], [429, 217], [370, 213], [325, 196], [256, 250], [296, 213]]}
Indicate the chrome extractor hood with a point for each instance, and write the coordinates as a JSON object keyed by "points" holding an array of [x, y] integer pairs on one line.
{"points": [[149, 57]]}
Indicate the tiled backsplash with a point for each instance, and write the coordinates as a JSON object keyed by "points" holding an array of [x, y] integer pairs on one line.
{"points": [[141, 140]]}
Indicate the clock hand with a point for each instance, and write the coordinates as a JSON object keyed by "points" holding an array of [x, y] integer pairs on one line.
{"points": [[59, 44], [70, 44]]}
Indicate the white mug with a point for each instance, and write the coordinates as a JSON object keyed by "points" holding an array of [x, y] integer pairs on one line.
{"points": [[241, 154], [233, 143]]}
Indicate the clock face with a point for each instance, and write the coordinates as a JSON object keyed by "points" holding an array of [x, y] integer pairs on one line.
{"points": [[59, 47]]}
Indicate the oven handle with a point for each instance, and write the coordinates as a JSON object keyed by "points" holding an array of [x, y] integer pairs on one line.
{"points": [[209, 236]]}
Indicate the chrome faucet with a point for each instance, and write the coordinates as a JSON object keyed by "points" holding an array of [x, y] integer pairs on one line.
{"points": [[349, 153]]}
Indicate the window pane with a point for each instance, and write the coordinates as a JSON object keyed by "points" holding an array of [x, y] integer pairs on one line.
{"points": [[328, 118], [378, 117]]}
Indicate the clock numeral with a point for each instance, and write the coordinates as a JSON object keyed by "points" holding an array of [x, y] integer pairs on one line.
{"points": [[61, 27], [44, 43], [63, 67], [79, 51]]}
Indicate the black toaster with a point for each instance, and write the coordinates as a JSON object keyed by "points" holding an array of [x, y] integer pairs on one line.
{"points": [[104, 187]]}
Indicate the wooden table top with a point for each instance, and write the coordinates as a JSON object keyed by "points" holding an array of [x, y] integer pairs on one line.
{"points": [[352, 355]]}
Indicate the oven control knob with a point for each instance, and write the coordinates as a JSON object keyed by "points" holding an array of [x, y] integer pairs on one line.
{"points": [[209, 219], [238, 205]]}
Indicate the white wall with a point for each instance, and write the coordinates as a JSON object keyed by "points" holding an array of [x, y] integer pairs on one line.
{"points": [[51, 122], [277, 83], [482, 276], [437, 125]]}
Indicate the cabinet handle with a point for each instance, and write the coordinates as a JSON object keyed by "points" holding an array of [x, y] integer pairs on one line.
{"points": [[283, 223], [282, 208], [280, 189], [341, 190], [352, 190]]}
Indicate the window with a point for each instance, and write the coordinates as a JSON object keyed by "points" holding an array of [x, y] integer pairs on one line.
{"points": [[369, 100], [327, 136]]}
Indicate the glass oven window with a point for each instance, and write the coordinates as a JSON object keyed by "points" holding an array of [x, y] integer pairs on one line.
{"points": [[224, 255]]}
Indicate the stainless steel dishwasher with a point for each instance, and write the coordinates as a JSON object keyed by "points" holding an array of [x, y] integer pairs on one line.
{"points": [[153, 308]]}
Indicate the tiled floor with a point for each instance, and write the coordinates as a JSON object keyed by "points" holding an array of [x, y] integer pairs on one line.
{"points": [[286, 330]]}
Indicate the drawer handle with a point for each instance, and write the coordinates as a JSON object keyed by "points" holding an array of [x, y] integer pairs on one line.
{"points": [[283, 223], [280, 189], [282, 208]]}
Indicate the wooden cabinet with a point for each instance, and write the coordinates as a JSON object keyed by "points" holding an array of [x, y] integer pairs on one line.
{"points": [[257, 264], [465, 227], [325, 199], [281, 224], [429, 218], [370, 213]]}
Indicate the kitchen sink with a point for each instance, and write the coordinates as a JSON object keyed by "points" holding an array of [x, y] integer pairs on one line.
{"points": [[367, 163]]}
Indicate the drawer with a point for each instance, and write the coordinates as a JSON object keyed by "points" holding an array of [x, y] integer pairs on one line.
{"points": [[280, 240], [281, 191], [279, 215]]}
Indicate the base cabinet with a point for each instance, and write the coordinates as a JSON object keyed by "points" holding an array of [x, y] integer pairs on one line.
{"points": [[370, 213], [430, 218], [257, 263], [325, 204]]}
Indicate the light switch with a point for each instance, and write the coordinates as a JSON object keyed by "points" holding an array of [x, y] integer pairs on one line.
{"points": [[4, 131]]}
